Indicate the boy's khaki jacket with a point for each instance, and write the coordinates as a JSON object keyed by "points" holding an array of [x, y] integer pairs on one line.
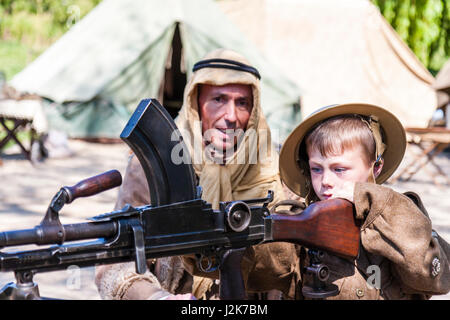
{"points": [[398, 245]]}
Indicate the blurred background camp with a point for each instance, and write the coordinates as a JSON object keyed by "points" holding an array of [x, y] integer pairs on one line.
{"points": [[72, 72]]}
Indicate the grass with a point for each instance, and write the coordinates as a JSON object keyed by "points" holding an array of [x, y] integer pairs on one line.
{"points": [[14, 56]]}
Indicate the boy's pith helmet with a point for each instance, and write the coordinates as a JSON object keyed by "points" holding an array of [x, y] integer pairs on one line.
{"points": [[394, 139]]}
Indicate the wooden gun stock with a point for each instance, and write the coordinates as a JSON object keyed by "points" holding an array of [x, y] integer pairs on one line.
{"points": [[328, 225]]}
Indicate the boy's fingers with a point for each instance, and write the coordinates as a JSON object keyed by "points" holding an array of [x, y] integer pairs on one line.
{"points": [[345, 191]]}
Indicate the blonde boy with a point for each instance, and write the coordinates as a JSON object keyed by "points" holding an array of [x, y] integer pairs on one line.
{"points": [[347, 151]]}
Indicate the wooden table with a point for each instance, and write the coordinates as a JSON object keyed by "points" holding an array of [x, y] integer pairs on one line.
{"points": [[12, 130], [21, 116]]}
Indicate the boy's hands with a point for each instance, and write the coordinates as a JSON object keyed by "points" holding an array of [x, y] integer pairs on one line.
{"points": [[345, 191]]}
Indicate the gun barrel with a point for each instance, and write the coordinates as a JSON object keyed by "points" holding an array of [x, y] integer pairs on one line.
{"points": [[72, 232]]}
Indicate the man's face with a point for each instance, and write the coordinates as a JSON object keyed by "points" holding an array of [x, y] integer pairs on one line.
{"points": [[329, 173], [224, 110]]}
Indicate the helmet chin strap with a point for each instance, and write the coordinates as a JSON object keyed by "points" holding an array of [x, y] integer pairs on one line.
{"points": [[371, 178], [380, 147]]}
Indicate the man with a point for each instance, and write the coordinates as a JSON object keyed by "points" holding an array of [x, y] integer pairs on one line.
{"points": [[225, 130]]}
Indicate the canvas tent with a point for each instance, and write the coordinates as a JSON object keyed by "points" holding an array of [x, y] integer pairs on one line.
{"points": [[338, 52], [442, 85], [125, 50]]}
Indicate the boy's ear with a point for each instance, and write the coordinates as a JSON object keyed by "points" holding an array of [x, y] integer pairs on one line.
{"points": [[378, 167]]}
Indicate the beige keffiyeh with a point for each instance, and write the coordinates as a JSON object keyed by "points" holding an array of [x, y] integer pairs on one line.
{"points": [[249, 173], [253, 169]]}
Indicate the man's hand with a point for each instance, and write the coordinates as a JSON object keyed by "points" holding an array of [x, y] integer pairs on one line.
{"points": [[143, 290], [186, 296]]}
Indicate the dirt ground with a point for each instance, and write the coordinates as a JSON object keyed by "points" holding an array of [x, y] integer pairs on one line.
{"points": [[26, 191]]}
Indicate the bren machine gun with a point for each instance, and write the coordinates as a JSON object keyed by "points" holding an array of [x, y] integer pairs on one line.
{"points": [[176, 222]]}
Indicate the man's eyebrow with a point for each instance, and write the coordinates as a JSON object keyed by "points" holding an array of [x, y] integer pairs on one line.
{"points": [[219, 94]]}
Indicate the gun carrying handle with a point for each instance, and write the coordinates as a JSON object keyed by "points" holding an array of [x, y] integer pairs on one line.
{"points": [[91, 186]]}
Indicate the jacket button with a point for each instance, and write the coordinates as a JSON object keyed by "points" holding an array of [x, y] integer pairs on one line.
{"points": [[360, 293]]}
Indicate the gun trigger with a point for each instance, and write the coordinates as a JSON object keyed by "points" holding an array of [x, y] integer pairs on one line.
{"points": [[139, 245], [210, 265]]}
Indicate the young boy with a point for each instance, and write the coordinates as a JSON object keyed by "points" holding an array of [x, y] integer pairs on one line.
{"points": [[347, 151]]}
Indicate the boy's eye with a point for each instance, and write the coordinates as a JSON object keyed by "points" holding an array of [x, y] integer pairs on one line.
{"points": [[340, 170], [316, 169]]}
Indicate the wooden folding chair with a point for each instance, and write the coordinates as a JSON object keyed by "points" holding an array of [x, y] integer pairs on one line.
{"points": [[431, 141]]}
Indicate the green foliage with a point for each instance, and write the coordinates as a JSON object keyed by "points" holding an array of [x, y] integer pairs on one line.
{"points": [[424, 25], [50, 17], [14, 56], [28, 27]]}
